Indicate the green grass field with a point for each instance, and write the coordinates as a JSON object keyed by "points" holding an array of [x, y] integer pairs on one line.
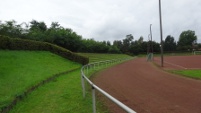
{"points": [[19, 70], [22, 69], [196, 74], [93, 57], [64, 95]]}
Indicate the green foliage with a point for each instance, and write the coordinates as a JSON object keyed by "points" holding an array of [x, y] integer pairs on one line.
{"points": [[114, 49], [118, 44], [67, 38], [92, 46], [39, 31], [156, 47], [4, 41], [127, 43], [170, 44], [40, 26], [186, 39], [23, 44], [11, 29], [135, 48]]}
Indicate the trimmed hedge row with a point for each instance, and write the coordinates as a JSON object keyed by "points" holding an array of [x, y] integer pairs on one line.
{"points": [[23, 44]]}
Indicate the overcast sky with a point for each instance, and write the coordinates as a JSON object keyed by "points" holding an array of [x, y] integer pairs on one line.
{"points": [[109, 19]]}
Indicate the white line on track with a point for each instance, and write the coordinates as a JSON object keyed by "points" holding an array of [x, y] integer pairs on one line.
{"points": [[176, 65], [173, 64]]}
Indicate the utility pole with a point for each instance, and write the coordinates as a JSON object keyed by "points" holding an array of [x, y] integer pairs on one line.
{"points": [[152, 50], [151, 39], [161, 32]]}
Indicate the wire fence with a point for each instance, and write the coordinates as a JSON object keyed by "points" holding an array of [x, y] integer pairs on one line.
{"points": [[85, 70]]}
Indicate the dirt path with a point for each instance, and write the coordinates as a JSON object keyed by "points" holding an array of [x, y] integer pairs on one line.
{"points": [[148, 89]]}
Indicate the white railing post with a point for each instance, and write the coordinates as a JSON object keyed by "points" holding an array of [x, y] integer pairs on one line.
{"points": [[94, 99], [83, 84], [87, 69]]}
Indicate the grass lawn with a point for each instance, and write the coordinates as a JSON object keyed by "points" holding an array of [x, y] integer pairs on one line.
{"points": [[19, 70], [61, 95], [189, 73], [64, 95], [93, 57]]}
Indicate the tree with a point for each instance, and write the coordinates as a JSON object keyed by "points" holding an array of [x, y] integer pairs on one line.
{"points": [[118, 44], [11, 29], [113, 49], [135, 47], [108, 43], [55, 25], [37, 31], [140, 40], [156, 46], [186, 39], [169, 44], [35, 25], [126, 43]]}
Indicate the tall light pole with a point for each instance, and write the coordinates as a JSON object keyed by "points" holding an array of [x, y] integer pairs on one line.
{"points": [[161, 32], [148, 46], [151, 39]]}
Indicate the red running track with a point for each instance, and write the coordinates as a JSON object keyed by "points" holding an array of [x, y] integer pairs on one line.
{"points": [[147, 89]]}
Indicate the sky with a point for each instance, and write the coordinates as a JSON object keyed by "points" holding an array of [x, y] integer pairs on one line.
{"points": [[110, 20]]}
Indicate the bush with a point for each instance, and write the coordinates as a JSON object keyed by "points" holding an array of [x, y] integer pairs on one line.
{"points": [[4, 42], [22, 44]]}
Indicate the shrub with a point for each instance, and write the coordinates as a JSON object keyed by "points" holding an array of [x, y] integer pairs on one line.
{"points": [[4, 42]]}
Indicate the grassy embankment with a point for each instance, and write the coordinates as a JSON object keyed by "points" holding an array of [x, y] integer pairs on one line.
{"points": [[93, 57], [21, 69]]}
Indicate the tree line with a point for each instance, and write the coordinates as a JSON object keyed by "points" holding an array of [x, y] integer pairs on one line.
{"points": [[67, 38]]}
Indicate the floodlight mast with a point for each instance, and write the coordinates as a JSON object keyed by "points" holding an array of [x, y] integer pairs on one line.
{"points": [[151, 40], [161, 33], [148, 46]]}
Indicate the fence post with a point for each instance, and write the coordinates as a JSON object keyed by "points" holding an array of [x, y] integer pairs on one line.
{"points": [[83, 84], [93, 99], [87, 69]]}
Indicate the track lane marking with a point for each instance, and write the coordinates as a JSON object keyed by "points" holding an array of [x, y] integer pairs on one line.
{"points": [[174, 64]]}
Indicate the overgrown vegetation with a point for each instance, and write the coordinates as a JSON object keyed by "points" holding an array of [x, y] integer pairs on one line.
{"points": [[67, 38]]}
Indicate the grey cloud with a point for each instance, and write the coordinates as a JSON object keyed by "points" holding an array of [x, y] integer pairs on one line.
{"points": [[109, 19]]}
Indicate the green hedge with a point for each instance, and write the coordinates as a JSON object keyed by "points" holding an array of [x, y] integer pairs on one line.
{"points": [[22, 44]]}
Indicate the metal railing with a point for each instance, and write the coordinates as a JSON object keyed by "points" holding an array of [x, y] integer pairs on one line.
{"points": [[85, 68]]}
